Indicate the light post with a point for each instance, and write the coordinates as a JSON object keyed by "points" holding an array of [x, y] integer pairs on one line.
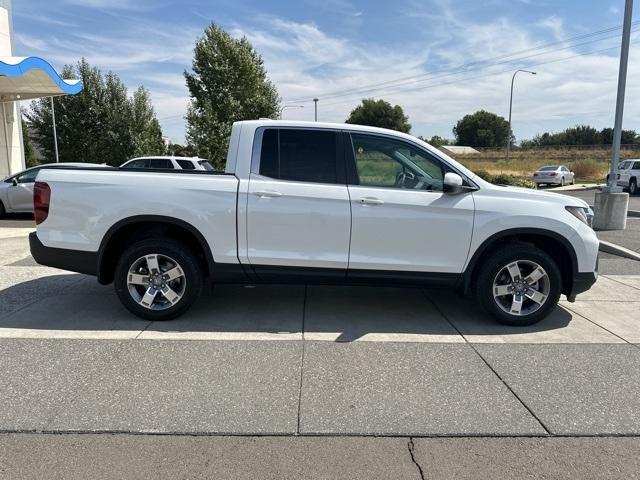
{"points": [[55, 135], [511, 107], [288, 106], [611, 204], [315, 105]]}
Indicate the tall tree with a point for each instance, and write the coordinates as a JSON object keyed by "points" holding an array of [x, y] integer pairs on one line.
{"points": [[482, 129], [97, 125], [228, 83], [147, 134], [379, 113], [29, 156]]}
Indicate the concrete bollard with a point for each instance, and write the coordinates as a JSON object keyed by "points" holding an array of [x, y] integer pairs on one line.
{"points": [[610, 211]]}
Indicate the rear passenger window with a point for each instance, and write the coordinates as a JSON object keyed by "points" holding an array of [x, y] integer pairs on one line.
{"points": [[299, 155], [160, 163], [636, 166], [135, 164], [186, 164]]}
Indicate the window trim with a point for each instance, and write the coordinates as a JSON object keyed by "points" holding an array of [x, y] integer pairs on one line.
{"points": [[352, 170], [341, 175]]}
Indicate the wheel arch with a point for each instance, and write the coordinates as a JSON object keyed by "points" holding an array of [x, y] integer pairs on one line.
{"points": [[131, 229], [554, 244]]}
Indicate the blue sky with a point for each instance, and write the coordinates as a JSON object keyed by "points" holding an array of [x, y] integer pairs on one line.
{"points": [[333, 48]]}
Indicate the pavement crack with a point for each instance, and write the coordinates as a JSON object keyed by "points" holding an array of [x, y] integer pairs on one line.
{"points": [[412, 448], [495, 372], [304, 311]]}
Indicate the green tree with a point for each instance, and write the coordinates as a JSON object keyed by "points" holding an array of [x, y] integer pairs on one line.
{"points": [[482, 129], [379, 113], [29, 156], [437, 141], [98, 125], [228, 83], [181, 150], [147, 134]]}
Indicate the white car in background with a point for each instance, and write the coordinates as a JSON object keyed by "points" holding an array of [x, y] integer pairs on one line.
{"points": [[16, 191], [554, 175], [168, 163], [628, 175]]}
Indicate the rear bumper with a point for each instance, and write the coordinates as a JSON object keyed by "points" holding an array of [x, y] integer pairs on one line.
{"points": [[73, 260]]}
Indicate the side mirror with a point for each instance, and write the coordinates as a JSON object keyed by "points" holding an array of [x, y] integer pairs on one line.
{"points": [[14, 181], [452, 183]]}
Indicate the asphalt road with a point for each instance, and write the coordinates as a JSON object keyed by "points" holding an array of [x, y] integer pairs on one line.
{"points": [[589, 197]]}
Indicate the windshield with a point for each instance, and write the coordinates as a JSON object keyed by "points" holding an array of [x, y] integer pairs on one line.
{"points": [[547, 169]]}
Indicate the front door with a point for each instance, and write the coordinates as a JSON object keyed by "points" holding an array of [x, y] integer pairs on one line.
{"points": [[298, 212], [402, 220], [20, 195]]}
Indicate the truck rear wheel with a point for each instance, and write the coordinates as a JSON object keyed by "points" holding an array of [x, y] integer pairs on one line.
{"points": [[519, 285], [158, 279]]}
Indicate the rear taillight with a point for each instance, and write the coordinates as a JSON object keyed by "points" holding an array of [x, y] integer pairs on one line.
{"points": [[41, 199]]}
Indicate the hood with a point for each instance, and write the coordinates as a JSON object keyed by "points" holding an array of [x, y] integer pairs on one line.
{"points": [[536, 195]]}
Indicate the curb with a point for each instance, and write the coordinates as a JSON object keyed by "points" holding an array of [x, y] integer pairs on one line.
{"points": [[613, 249], [573, 188]]}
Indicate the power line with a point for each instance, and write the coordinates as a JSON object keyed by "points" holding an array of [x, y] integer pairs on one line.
{"points": [[461, 80], [472, 65]]}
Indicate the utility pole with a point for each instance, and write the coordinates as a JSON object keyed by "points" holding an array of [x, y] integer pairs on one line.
{"points": [[55, 135], [315, 102], [511, 107], [611, 204]]}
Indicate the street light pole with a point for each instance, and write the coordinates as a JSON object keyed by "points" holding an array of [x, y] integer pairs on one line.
{"points": [[622, 81], [288, 106], [55, 135], [612, 204], [511, 107], [315, 102]]}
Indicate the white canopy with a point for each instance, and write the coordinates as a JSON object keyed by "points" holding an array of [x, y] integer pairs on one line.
{"points": [[24, 78]]}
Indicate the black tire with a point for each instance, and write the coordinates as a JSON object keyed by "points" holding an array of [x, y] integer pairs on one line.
{"points": [[633, 187], [185, 259], [562, 182], [495, 262], [3, 212]]}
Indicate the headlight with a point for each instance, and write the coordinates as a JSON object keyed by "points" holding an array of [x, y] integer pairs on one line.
{"points": [[584, 214]]}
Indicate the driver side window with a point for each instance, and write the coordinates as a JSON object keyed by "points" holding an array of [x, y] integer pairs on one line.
{"points": [[28, 177], [390, 163]]}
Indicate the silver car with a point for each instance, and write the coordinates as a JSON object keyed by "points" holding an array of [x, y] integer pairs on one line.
{"points": [[16, 191], [554, 175]]}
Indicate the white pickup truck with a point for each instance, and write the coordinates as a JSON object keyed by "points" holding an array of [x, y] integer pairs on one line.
{"points": [[316, 203]]}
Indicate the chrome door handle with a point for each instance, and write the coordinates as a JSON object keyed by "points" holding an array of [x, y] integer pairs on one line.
{"points": [[267, 193], [371, 201]]}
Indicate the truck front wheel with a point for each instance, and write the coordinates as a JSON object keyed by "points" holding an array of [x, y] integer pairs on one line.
{"points": [[519, 284], [158, 279]]}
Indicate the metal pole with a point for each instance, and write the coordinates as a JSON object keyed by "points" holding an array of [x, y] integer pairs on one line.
{"points": [[55, 135], [6, 137], [511, 107], [622, 81], [315, 102], [288, 106]]}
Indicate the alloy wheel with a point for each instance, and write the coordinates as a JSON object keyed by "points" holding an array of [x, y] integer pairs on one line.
{"points": [[156, 281], [521, 288]]}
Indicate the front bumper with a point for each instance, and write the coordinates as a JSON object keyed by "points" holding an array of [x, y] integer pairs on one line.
{"points": [[73, 260], [582, 281]]}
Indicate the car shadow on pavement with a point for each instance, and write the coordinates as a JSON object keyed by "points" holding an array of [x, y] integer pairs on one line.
{"points": [[330, 313]]}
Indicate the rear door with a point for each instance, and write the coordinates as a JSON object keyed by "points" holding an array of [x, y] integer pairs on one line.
{"points": [[402, 220], [298, 211]]}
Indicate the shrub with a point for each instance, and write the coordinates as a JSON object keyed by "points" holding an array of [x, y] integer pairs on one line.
{"points": [[588, 168], [504, 179]]}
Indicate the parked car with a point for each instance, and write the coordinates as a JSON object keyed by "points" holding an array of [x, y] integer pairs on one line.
{"points": [[169, 163], [16, 191], [554, 175], [307, 202], [628, 176]]}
